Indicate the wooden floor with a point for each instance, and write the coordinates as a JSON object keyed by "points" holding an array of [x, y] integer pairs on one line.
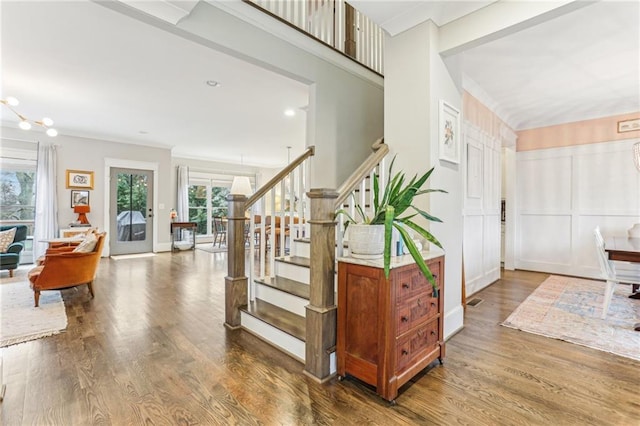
{"points": [[151, 349]]}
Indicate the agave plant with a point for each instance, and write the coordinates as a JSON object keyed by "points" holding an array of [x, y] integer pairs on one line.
{"points": [[388, 208]]}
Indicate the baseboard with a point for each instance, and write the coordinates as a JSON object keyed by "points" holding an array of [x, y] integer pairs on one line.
{"points": [[453, 322]]}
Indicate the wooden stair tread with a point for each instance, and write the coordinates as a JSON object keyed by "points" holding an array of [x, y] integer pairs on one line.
{"points": [[287, 285], [295, 260], [284, 320], [303, 240]]}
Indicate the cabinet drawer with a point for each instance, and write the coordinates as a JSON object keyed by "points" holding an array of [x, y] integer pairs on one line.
{"points": [[410, 282], [414, 311], [423, 339]]}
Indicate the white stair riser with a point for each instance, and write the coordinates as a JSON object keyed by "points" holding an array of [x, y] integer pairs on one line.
{"points": [[281, 299], [286, 342], [333, 366], [301, 248], [293, 272]]}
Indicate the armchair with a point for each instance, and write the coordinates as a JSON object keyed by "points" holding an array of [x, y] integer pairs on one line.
{"points": [[11, 258], [66, 268]]}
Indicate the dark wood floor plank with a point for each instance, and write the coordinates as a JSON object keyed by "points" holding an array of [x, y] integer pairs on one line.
{"points": [[151, 348]]}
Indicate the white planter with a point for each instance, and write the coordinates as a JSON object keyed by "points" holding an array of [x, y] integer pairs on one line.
{"points": [[366, 241]]}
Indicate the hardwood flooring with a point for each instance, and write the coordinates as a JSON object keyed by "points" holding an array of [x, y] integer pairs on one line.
{"points": [[151, 349]]}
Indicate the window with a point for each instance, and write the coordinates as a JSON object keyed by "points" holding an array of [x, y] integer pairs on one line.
{"points": [[18, 188], [208, 198]]}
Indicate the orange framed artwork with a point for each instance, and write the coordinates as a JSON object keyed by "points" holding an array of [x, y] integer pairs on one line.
{"points": [[79, 179]]}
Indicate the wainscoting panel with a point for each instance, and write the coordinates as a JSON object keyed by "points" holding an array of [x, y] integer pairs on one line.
{"points": [[563, 194]]}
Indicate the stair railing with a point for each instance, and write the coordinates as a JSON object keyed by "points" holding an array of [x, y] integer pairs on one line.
{"points": [[357, 188], [332, 22], [321, 312], [278, 209]]}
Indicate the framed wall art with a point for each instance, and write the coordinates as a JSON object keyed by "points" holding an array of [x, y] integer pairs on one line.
{"points": [[79, 179], [629, 125], [79, 198], [449, 133]]}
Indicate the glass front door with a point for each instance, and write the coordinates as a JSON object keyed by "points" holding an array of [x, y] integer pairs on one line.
{"points": [[132, 211]]}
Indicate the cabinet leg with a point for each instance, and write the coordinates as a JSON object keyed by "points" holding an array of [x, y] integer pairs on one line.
{"points": [[441, 360], [393, 403], [340, 378]]}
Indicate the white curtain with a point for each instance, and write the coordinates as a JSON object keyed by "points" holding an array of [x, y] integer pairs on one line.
{"points": [[183, 194], [46, 221]]}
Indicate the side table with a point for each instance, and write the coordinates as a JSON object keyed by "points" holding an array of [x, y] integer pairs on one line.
{"points": [[177, 229]]}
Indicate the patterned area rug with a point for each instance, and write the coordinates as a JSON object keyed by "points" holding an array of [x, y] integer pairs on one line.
{"points": [[569, 309], [20, 321]]}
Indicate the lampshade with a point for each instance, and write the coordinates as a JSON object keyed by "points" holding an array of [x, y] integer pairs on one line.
{"points": [[636, 155], [81, 208], [241, 185]]}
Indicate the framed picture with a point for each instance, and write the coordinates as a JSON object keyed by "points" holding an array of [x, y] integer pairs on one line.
{"points": [[449, 133], [79, 198], [629, 125], [79, 179]]}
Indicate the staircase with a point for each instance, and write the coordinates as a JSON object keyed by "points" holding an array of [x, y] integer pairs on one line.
{"points": [[277, 313], [276, 302]]}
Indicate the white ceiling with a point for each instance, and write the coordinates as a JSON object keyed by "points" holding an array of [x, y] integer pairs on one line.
{"points": [[582, 65], [101, 74]]}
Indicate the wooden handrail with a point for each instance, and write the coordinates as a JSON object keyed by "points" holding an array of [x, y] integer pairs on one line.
{"points": [[380, 150], [281, 175]]}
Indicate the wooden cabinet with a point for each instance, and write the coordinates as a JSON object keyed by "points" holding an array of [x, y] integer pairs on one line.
{"points": [[388, 330]]}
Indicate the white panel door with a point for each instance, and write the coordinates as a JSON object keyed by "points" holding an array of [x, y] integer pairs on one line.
{"points": [[482, 233]]}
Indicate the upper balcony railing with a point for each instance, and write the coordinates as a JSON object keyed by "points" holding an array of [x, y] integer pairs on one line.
{"points": [[334, 23]]}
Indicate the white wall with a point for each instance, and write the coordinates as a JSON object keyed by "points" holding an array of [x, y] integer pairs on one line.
{"points": [[563, 194], [415, 80], [345, 113]]}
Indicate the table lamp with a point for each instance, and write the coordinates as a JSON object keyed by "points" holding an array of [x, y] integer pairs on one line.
{"points": [[82, 211]]}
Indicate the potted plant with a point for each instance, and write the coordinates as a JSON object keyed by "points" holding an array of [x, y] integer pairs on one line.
{"points": [[389, 210]]}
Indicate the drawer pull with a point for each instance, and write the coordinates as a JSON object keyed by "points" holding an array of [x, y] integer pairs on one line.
{"points": [[405, 285], [433, 303], [404, 319], [405, 352], [433, 333], [435, 276], [419, 302]]}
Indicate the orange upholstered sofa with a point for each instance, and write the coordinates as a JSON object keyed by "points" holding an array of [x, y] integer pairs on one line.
{"points": [[66, 267]]}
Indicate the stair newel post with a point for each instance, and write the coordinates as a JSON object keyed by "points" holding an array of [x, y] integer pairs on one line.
{"points": [[321, 313], [235, 282]]}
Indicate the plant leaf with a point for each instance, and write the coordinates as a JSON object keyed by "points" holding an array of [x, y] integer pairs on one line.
{"points": [[417, 256], [425, 234], [426, 215], [427, 191], [388, 229]]}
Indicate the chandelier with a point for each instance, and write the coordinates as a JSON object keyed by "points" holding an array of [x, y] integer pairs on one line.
{"points": [[25, 123]]}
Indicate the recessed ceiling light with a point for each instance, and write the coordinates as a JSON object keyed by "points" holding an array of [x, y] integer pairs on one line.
{"points": [[143, 132], [289, 112], [213, 83]]}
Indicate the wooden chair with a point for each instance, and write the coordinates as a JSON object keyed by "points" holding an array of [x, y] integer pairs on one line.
{"points": [[66, 268], [219, 231], [608, 273]]}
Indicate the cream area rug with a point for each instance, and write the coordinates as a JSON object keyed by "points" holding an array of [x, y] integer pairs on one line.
{"points": [[20, 321], [569, 309]]}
